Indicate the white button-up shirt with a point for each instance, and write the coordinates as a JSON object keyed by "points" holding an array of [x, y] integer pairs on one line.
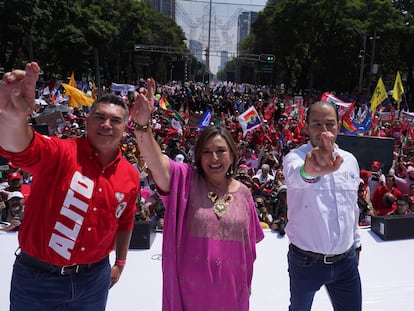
{"points": [[322, 216]]}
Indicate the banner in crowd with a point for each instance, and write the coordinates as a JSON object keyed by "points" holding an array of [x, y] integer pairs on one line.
{"points": [[407, 117], [249, 120], [123, 88]]}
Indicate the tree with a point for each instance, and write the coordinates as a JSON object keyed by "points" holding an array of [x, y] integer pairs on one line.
{"points": [[316, 43], [91, 37]]}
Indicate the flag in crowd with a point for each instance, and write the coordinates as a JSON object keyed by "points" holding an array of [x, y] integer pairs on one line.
{"points": [[249, 120], [354, 121], [165, 106], [177, 125], [379, 95], [77, 97], [347, 123], [351, 124], [205, 119], [72, 81], [342, 107], [357, 125], [398, 90]]}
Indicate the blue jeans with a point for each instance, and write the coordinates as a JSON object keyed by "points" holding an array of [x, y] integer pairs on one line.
{"points": [[34, 290], [341, 279]]}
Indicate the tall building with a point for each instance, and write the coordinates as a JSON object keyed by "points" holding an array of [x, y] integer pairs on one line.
{"points": [[244, 24], [224, 58], [166, 7], [196, 48]]}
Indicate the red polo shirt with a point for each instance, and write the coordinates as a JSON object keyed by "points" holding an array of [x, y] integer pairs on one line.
{"points": [[76, 206]]}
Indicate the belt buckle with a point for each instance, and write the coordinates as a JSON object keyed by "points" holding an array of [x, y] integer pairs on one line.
{"points": [[326, 260], [69, 270]]}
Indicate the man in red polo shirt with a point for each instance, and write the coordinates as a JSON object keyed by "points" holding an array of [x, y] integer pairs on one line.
{"points": [[82, 202]]}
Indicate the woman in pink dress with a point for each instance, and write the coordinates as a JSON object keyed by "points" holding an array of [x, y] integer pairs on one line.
{"points": [[210, 227]]}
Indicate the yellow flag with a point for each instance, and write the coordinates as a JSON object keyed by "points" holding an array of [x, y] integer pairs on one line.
{"points": [[77, 97], [398, 90], [72, 81], [379, 95]]}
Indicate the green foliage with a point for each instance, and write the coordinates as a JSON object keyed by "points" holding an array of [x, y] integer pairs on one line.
{"points": [[90, 37], [317, 43]]}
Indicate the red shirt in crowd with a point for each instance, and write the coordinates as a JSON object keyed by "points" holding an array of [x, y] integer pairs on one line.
{"points": [[378, 199]]}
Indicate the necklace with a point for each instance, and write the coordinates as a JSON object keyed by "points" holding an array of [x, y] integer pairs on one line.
{"points": [[220, 203]]}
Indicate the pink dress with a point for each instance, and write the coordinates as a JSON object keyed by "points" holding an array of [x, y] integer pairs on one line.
{"points": [[207, 262]]}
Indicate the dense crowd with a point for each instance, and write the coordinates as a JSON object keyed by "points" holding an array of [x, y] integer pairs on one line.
{"points": [[261, 150]]}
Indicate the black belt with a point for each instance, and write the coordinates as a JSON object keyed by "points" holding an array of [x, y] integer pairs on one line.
{"points": [[326, 259], [59, 270]]}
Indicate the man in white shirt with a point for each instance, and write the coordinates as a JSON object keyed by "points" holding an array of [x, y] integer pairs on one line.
{"points": [[322, 183]]}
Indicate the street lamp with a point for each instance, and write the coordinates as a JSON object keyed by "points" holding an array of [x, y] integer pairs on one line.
{"points": [[361, 55], [374, 39], [209, 40], [171, 71], [362, 65]]}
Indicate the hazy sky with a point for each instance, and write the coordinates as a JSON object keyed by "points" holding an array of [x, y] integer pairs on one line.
{"points": [[193, 17]]}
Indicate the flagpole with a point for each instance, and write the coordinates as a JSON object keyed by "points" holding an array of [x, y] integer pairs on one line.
{"points": [[406, 102]]}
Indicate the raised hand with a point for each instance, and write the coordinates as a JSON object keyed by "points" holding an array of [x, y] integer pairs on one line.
{"points": [[17, 102], [144, 104], [322, 160], [17, 92]]}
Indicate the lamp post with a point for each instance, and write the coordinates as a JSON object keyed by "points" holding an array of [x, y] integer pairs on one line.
{"points": [[209, 39], [171, 71], [362, 65], [373, 67], [362, 54], [374, 39]]}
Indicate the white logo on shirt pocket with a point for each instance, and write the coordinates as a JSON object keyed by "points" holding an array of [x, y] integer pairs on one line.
{"points": [[119, 196]]}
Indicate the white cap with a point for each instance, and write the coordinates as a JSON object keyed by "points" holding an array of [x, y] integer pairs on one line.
{"points": [[15, 194], [179, 158]]}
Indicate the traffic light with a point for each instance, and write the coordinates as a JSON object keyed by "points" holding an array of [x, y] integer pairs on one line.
{"points": [[267, 58], [206, 78]]}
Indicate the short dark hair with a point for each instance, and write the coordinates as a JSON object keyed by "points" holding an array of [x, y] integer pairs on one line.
{"points": [[406, 199], [321, 103], [202, 139], [113, 99]]}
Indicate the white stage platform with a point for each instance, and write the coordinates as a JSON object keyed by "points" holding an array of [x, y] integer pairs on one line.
{"points": [[385, 266]]}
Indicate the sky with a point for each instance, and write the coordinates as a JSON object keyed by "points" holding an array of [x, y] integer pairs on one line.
{"points": [[193, 17]]}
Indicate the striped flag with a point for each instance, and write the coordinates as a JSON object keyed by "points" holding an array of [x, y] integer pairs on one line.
{"points": [[249, 120], [341, 106], [165, 105]]}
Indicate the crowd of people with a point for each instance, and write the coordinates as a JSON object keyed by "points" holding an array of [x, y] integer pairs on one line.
{"points": [[281, 131], [176, 173]]}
